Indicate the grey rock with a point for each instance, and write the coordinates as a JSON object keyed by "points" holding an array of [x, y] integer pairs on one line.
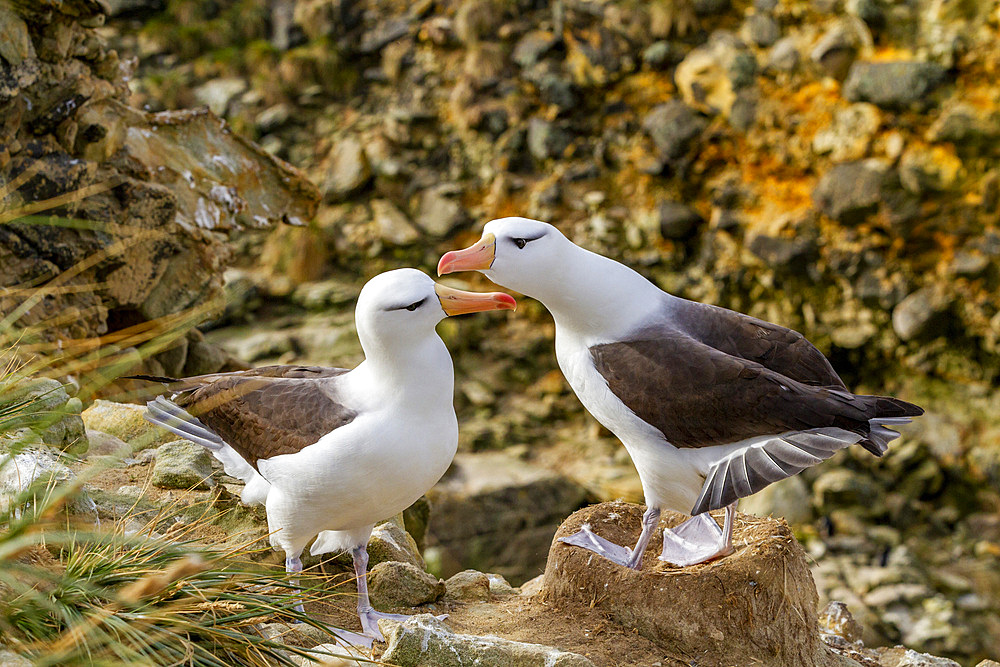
{"points": [[761, 29], [105, 444], [422, 641], [678, 220], [961, 123], [394, 585], [294, 634], [467, 585], [674, 128], [904, 657], [35, 464], [969, 263], [203, 357], [182, 464], [850, 191], [273, 117], [439, 212], [218, 93], [12, 659], [383, 34], [784, 56], [557, 90], [392, 224], [51, 412], [531, 48], [783, 252], [546, 140], [348, 170], [893, 85], [915, 315]]}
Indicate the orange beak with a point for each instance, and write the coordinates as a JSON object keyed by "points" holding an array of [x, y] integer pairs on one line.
{"points": [[460, 302], [477, 257]]}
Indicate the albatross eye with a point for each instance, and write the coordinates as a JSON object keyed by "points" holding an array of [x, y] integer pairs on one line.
{"points": [[416, 304], [520, 243]]}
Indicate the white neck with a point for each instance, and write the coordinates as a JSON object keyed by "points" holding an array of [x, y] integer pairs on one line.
{"points": [[594, 296], [416, 371]]}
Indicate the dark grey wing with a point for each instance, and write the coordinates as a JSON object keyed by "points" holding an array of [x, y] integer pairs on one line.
{"points": [[260, 413], [699, 396], [775, 347]]}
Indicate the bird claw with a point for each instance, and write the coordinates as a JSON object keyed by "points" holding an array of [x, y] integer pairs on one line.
{"points": [[697, 540], [587, 539]]}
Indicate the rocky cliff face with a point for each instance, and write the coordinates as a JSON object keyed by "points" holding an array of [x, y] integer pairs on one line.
{"points": [[115, 220]]}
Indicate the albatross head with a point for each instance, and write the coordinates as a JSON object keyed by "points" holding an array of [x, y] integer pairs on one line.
{"points": [[518, 253], [408, 302]]}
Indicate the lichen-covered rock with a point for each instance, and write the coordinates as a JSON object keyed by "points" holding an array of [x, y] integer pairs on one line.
{"points": [[424, 641], [390, 542], [394, 585], [182, 464], [851, 191], [125, 422], [467, 585], [48, 410], [36, 464]]}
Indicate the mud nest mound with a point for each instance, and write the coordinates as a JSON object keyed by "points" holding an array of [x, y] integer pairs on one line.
{"points": [[756, 606]]}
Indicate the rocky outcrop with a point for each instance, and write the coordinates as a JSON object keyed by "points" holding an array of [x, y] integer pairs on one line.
{"points": [[137, 206]]}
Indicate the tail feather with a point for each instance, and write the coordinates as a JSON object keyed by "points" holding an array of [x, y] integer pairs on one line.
{"points": [[163, 413]]}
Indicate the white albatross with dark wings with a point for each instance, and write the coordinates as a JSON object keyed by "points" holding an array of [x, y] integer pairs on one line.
{"points": [[712, 405], [331, 451]]}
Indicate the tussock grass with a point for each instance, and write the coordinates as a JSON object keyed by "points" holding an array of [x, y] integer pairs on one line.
{"points": [[75, 593]]}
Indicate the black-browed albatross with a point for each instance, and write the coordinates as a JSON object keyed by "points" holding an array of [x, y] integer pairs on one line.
{"points": [[330, 451], [712, 405]]}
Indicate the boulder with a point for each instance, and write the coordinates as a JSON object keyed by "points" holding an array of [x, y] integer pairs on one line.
{"points": [[37, 464], [916, 315], [440, 210], [48, 411], [182, 464], [424, 641], [674, 128], [125, 422], [390, 542], [850, 191], [348, 170], [757, 605], [467, 585], [394, 585]]}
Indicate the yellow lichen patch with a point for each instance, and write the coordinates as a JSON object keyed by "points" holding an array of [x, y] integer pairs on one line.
{"points": [[646, 89], [885, 54]]}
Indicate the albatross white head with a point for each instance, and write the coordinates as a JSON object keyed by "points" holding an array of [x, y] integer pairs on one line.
{"points": [[581, 289], [398, 305], [521, 254]]}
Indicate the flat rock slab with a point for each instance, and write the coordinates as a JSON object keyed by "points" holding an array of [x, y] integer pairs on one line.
{"points": [[756, 606], [424, 641]]}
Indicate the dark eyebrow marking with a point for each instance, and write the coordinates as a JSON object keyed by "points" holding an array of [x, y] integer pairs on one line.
{"points": [[407, 305]]}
